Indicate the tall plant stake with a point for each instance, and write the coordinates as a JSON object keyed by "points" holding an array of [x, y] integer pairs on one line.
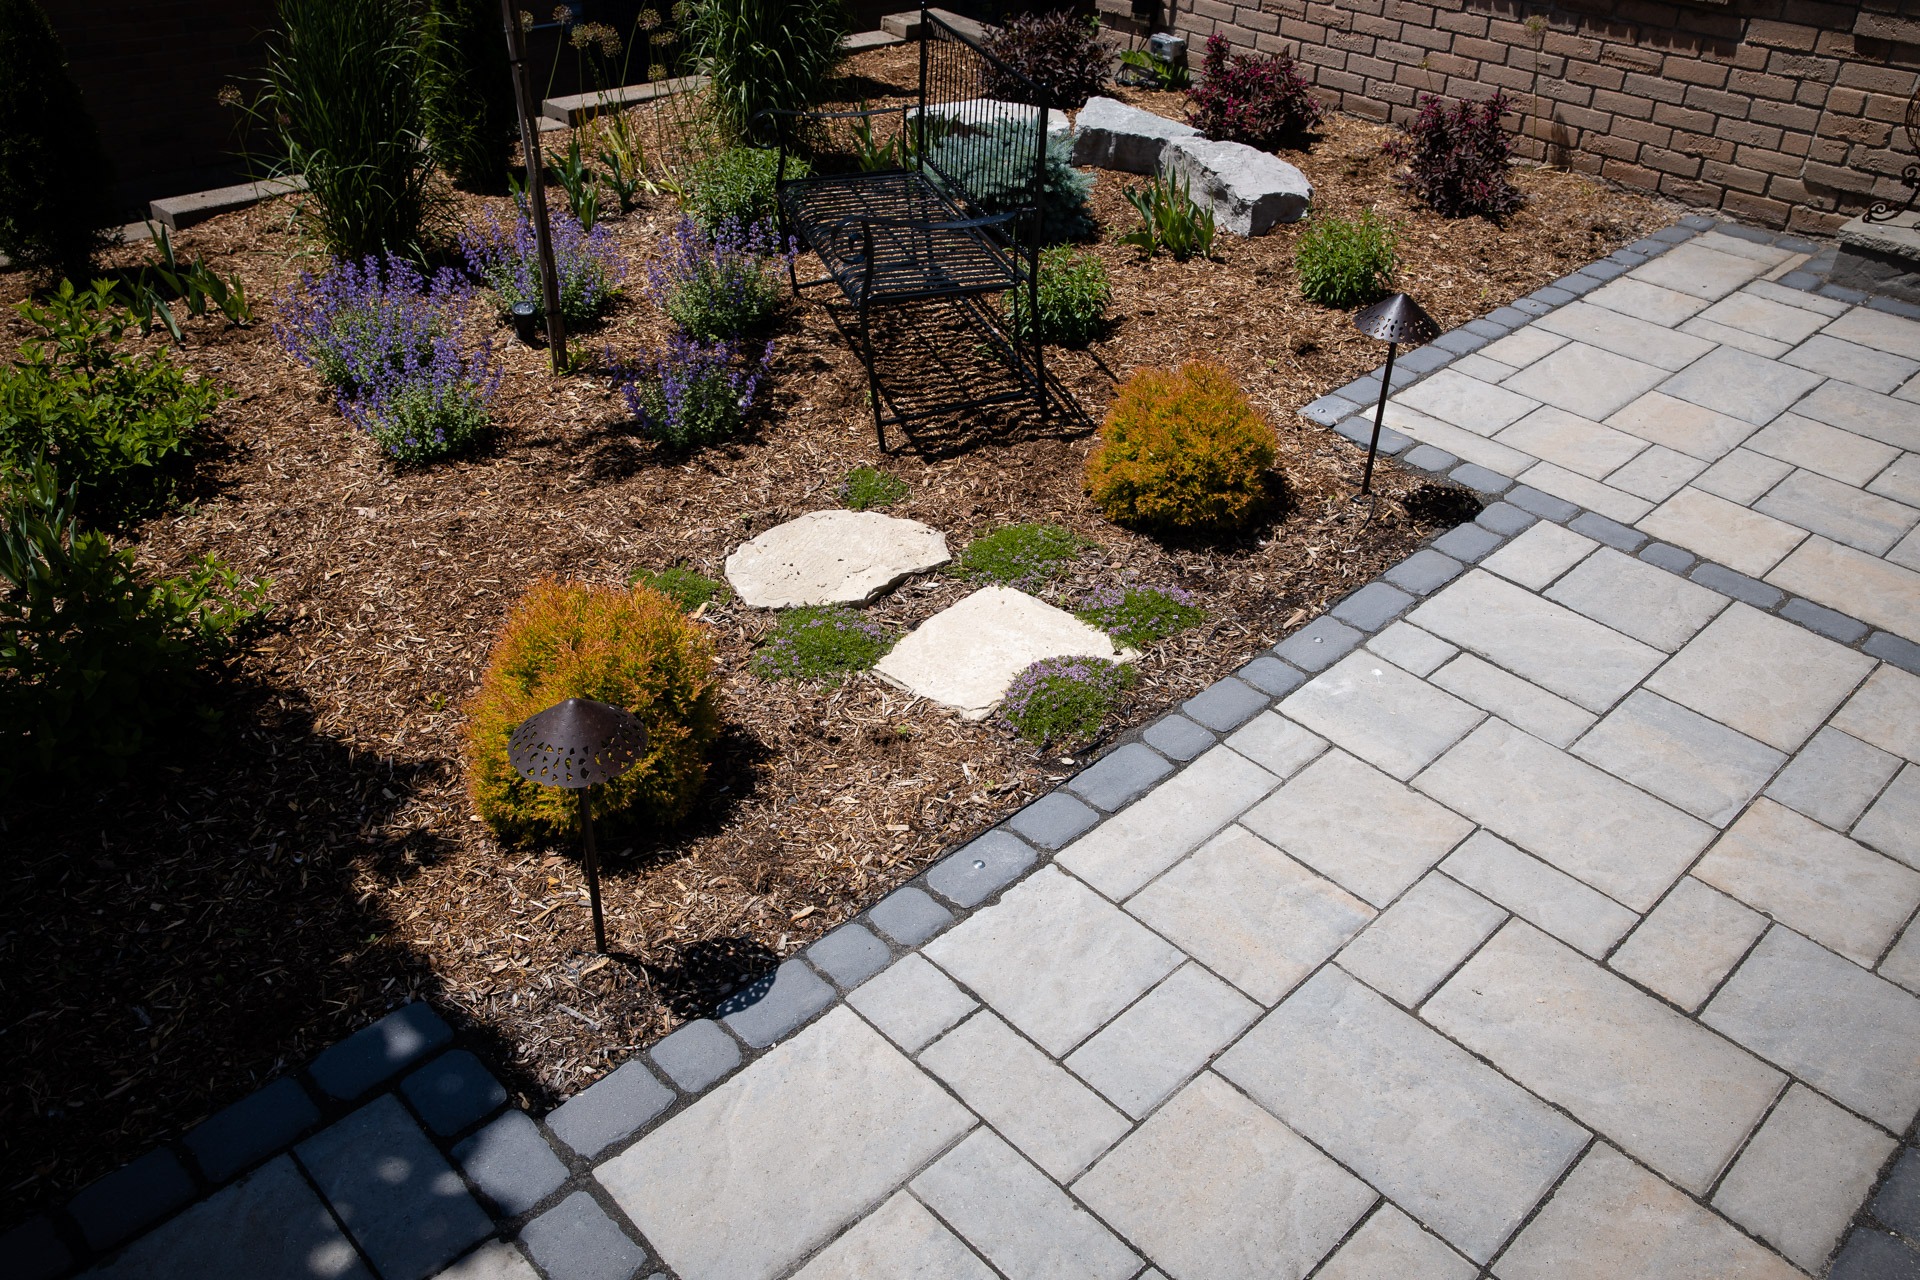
{"points": [[536, 187]]}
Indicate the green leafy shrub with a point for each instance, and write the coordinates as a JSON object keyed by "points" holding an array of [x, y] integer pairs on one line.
{"points": [[1182, 451], [1074, 294], [994, 164], [345, 92], [821, 642], [681, 585], [1170, 219], [94, 655], [765, 54], [1346, 262], [55, 184], [470, 114], [1061, 53], [121, 426], [1063, 699], [1022, 555], [632, 648], [737, 186], [865, 489], [1139, 616]]}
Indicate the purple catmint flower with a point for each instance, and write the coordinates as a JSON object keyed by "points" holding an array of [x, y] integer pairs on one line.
{"points": [[587, 264], [723, 284], [692, 392]]}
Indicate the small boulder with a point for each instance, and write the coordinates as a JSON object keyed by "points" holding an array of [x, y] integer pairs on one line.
{"points": [[1249, 191], [967, 655], [832, 557], [1113, 135]]}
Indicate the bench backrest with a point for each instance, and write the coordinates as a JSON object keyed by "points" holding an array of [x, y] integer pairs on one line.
{"points": [[984, 147]]}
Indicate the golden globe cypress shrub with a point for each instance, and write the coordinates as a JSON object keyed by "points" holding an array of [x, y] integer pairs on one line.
{"points": [[1182, 450], [631, 647]]}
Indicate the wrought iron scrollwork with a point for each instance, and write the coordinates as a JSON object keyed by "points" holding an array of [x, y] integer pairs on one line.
{"points": [[1887, 210]]}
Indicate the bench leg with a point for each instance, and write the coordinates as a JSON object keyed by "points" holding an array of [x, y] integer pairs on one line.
{"points": [[873, 381]]}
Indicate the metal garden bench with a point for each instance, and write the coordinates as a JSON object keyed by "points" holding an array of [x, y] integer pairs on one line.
{"points": [[951, 213]]}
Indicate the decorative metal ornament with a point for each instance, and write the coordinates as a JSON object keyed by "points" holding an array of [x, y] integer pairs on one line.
{"points": [[1886, 210], [1392, 320], [575, 744]]}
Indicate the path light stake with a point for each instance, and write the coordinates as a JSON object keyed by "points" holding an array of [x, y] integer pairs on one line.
{"points": [[574, 744], [536, 186], [1393, 321]]}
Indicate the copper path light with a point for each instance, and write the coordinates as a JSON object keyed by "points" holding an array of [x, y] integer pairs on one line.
{"points": [[574, 744], [1392, 320]]}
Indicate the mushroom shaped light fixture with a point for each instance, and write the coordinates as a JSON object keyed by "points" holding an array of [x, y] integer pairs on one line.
{"points": [[575, 744], [1392, 320]]}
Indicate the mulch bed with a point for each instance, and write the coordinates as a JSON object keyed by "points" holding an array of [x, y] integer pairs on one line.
{"points": [[173, 942]]}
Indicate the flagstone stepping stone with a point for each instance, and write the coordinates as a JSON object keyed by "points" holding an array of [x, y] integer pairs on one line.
{"points": [[967, 655], [1250, 191], [832, 557], [1112, 135]]}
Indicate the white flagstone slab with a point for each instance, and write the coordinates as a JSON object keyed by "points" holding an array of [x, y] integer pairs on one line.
{"points": [[967, 655], [832, 557]]}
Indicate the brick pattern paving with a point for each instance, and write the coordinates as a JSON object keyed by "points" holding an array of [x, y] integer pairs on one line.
{"points": [[1546, 909]]}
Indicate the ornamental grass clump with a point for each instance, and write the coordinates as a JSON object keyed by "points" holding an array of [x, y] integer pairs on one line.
{"points": [[1259, 99], [1063, 700], [395, 347], [765, 54], [1182, 451], [1345, 262], [629, 647], [1022, 556], [1139, 616], [719, 284], [588, 264], [821, 642], [693, 393], [1457, 157]]}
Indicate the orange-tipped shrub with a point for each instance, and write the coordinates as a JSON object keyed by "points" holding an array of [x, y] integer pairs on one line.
{"points": [[1182, 451], [630, 647]]}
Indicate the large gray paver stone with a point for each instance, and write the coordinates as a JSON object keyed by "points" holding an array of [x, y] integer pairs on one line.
{"points": [[1411, 649], [1033, 1102], [739, 1186], [511, 1163], [1390, 1244], [1587, 920], [267, 1226], [967, 655], [1026, 1226], [1649, 604], [1250, 191], [1250, 913], [1681, 756], [1682, 426], [1834, 778], [1658, 1084], [1769, 679], [1359, 828], [1420, 939], [1849, 1034], [1546, 716], [1585, 381], [1624, 334], [1724, 531], [1112, 135], [1587, 823], [1581, 491], [1753, 312], [1741, 385], [495, 1260], [1444, 1136], [1543, 642], [1573, 442], [1816, 446], [909, 916], [912, 1002], [773, 1006], [1879, 330], [1649, 302], [610, 1108], [404, 1205], [1259, 1201], [1854, 583], [1799, 1181], [1276, 744], [1867, 413], [1851, 362], [1893, 824], [1466, 402], [1698, 271], [1121, 775], [1835, 891], [1123, 853], [1657, 474], [1055, 959], [577, 1239], [1688, 943], [900, 1238], [850, 955], [1394, 721], [982, 867], [1838, 511], [1612, 1218], [376, 1053], [1885, 712], [1153, 1048]]}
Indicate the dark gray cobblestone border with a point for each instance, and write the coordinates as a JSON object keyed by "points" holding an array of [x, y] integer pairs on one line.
{"points": [[534, 1177]]}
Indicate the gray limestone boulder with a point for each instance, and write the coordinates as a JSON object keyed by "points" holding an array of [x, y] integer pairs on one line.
{"points": [[1113, 135], [1249, 191]]}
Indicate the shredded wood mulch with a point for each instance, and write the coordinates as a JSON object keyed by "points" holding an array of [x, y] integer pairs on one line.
{"points": [[171, 942]]}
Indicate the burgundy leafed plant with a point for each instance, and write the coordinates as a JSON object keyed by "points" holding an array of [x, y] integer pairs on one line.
{"points": [[1456, 157], [1259, 99]]}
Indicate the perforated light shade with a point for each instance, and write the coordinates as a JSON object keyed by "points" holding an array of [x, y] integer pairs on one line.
{"points": [[576, 743], [1397, 319]]}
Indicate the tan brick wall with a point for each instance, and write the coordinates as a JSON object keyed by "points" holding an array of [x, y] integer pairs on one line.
{"points": [[1781, 112]]}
